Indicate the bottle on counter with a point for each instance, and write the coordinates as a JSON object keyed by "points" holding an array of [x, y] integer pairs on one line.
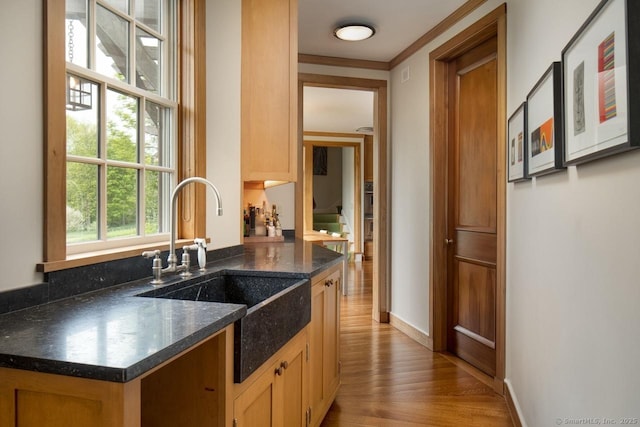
{"points": [[278, 227], [247, 224], [261, 229], [252, 217]]}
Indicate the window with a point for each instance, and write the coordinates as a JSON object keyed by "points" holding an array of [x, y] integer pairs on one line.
{"points": [[120, 121], [130, 129]]}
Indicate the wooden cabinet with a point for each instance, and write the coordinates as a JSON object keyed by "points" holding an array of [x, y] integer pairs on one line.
{"points": [[189, 389], [32, 399], [269, 98], [324, 342], [276, 394]]}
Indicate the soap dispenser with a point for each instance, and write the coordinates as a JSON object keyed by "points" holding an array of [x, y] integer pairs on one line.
{"points": [[202, 252]]}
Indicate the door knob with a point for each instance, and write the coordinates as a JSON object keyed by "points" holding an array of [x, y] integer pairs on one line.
{"points": [[448, 241]]}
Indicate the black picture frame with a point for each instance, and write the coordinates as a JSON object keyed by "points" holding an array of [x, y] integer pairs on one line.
{"points": [[600, 67], [320, 159], [545, 125], [517, 145]]}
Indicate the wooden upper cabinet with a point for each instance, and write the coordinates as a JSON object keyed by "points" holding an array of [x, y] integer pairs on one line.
{"points": [[269, 90]]}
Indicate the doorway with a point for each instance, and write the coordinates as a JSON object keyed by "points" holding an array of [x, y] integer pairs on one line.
{"points": [[334, 196], [380, 285], [463, 278]]}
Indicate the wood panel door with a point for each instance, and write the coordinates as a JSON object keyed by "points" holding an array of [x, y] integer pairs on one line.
{"points": [[472, 190]]}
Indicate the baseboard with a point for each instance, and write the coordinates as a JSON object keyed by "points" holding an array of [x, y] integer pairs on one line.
{"points": [[411, 331], [514, 407], [485, 379]]}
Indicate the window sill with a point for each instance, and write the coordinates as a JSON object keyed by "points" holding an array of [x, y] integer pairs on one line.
{"points": [[88, 258]]}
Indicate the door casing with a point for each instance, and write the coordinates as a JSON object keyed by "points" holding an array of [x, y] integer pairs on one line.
{"points": [[493, 24], [381, 281]]}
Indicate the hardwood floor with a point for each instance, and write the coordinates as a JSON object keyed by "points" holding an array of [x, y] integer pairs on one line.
{"points": [[390, 380]]}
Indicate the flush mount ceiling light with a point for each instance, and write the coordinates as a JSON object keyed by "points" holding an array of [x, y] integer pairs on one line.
{"points": [[354, 32]]}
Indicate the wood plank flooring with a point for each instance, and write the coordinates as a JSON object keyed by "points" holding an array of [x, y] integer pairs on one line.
{"points": [[390, 380]]}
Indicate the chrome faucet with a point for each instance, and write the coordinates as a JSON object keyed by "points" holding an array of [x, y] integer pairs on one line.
{"points": [[172, 259]]}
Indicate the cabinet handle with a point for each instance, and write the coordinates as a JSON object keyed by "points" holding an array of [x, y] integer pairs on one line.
{"points": [[284, 364], [328, 283], [279, 371]]}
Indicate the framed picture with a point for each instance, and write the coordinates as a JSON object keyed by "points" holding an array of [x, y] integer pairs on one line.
{"points": [[544, 124], [601, 91], [517, 144], [320, 157]]}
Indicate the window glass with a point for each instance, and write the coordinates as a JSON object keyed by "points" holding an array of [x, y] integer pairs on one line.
{"points": [[149, 12], [122, 202], [121, 5], [122, 127], [112, 44], [76, 36], [148, 61], [157, 200], [82, 128], [82, 202], [156, 134], [120, 121]]}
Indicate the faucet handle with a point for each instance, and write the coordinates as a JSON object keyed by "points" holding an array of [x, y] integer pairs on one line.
{"points": [[186, 260], [157, 265], [151, 254], [202, 252]]}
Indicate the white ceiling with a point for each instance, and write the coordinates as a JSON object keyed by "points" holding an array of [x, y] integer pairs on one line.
{"points": [[398, 23]]}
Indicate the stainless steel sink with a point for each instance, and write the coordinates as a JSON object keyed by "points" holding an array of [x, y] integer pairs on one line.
{"points": [[277, 309]]}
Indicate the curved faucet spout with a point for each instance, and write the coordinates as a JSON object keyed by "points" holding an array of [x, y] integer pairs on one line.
{"points": [[172, 260]]}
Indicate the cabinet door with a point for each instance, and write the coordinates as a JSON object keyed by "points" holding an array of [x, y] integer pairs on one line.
{"points": [[324, 343], [254, 407], [316, 352], [293, 387], [34, 399], [278, 397], [331, 364], [269, 95]]}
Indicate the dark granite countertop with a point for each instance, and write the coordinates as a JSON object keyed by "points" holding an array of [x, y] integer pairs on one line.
{"points": [[114, 335]]}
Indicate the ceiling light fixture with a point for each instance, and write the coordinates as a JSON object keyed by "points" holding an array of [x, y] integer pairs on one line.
{"points": [[354, 32]]}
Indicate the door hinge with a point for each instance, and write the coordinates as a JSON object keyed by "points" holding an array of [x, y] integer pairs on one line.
{"points": [[235, 422], [307, 352], [308, 416], [339, 367]]}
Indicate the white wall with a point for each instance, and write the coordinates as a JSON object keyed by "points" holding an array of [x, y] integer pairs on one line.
{"points": [[572, 241], [21, 121], [410, 193], [410, 185], [223, 120], [573, 276], [21, 143], [285, 197], [348, 188]]}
